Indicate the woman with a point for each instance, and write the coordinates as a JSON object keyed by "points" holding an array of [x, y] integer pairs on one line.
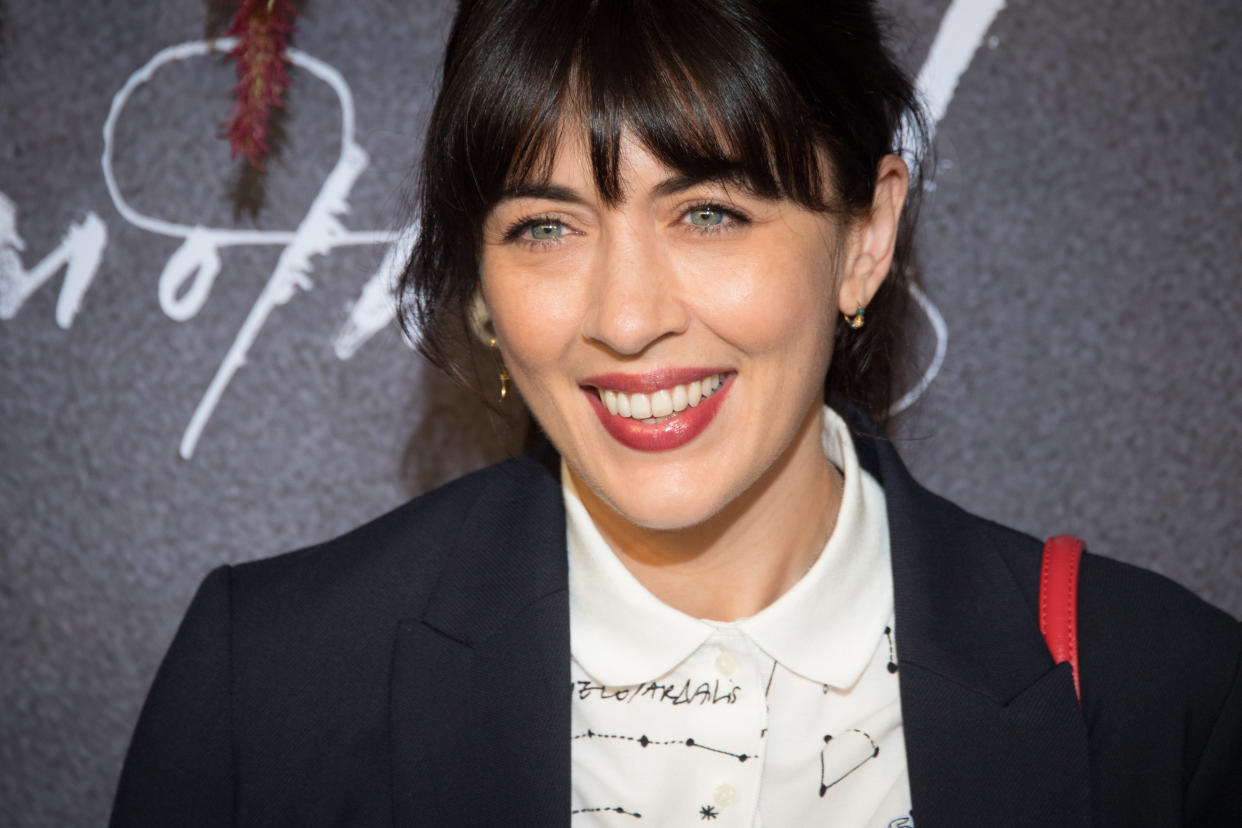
{"points": [[679, 228]]}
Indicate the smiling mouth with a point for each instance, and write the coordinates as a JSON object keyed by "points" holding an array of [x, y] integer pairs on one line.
{"points": [[662, 404]]}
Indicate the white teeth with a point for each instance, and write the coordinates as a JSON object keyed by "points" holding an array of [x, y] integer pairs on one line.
{"points": [[680, 397], [640, 406], [694, 393], [661, 403]]}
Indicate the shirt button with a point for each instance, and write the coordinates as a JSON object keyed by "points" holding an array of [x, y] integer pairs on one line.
{"points": [[725, 795], [726, 662]]}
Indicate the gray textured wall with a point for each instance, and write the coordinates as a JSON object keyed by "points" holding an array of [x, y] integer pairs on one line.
{"points": [[1081, 245]]}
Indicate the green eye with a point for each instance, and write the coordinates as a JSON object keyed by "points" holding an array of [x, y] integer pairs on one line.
{"points": [[706, 217], [547, 231]]}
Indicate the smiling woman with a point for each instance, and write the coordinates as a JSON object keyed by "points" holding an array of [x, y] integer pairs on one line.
{"points": [[684, 229]]}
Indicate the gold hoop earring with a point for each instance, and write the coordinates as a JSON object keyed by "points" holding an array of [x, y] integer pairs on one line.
{"points": [[857, 320], [504, 375]]}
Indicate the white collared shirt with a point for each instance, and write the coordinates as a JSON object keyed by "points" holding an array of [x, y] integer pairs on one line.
{"points": [[788, 718]]}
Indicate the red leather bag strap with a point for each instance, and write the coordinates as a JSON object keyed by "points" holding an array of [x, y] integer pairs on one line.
{"points": [[1058, 601]]}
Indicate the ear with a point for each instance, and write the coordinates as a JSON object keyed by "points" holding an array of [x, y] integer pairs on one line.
{"points": [[873, 239], [480, 319]]}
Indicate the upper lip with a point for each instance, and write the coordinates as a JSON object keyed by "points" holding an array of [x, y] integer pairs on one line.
{"points": [[650, 381]]}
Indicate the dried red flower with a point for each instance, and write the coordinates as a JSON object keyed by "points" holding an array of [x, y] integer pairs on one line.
{"points": [[262, 28]]}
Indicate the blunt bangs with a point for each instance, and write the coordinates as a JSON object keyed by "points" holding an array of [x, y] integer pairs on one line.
{"points": [[692, 83]]}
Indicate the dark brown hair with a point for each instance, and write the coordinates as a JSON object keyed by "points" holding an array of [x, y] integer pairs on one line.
{"points": [[758, 90]]}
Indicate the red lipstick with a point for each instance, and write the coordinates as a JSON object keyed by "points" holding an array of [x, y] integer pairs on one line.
{"points": [[677, 430]]}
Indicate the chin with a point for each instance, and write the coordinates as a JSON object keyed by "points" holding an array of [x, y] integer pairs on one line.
{"points": [[666, 508]]}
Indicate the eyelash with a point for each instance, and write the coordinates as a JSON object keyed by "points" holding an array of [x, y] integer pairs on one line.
{"points": [[515, 232]]}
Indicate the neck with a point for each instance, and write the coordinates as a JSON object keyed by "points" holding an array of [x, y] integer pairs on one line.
{"points": [[749, 553]]}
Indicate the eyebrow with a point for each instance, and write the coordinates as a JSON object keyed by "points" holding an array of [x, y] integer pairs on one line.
{"points": [[680, 183], [670, 186], [549, 191]]}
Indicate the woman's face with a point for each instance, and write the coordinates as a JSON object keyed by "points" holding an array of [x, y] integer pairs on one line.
{"points": [[671, 346]]}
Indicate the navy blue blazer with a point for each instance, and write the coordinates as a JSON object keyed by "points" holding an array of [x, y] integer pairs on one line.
{"points": [[416, 672]]}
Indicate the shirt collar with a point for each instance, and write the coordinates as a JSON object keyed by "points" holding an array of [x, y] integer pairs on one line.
{"points": [[823, 628]]}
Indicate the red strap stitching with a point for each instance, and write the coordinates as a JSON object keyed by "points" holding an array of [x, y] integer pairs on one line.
{"points": [[1059, 572], [1071, 611]]}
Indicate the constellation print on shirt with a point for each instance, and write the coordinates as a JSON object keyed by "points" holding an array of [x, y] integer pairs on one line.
{"points": [[646, 742], [892, 651], [616, 809], [843, 755], [708, 812]]}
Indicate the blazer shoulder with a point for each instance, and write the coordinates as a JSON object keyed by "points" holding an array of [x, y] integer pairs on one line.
{"points": [[393, 559], [1138, 627], [1132, 622], [1121, 606]]}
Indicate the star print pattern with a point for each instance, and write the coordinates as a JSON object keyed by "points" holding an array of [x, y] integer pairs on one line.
{"points": [[855, 773]]}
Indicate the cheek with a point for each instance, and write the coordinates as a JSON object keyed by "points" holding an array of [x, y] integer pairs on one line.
{"points": [[536, 316], [776, 301]]}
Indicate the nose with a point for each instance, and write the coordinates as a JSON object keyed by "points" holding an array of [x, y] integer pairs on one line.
{"points": [[635, 296]]}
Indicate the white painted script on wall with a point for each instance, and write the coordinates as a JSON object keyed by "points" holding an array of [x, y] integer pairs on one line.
{"points": [[187, 278]]}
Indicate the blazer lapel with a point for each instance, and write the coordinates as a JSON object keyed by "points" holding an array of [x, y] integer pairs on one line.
{"points": [[480, 701], [994, 734]]}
